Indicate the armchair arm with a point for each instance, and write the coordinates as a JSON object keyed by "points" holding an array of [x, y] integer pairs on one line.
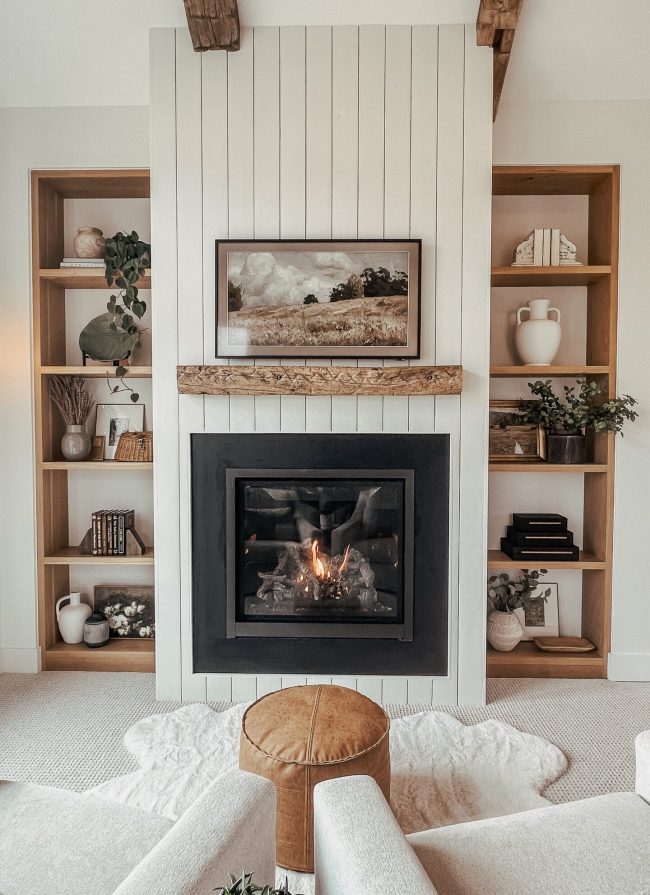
{"points": [[358, 844], [230, 828], [642, 746]]}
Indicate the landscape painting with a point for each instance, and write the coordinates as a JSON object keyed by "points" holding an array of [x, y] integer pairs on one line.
{"points": [[318, 298]]}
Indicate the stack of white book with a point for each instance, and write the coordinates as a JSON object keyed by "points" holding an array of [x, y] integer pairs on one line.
{"points": [[545, 247], [83, 262]]}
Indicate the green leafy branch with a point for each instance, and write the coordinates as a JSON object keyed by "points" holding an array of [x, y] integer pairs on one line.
{"points": [[575, 410], [506, 594]]}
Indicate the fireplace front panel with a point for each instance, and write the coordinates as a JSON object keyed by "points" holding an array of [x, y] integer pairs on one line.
{"points": [[319, 487]]}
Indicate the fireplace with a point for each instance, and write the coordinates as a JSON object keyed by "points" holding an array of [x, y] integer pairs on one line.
{"points": [[320, 553]]}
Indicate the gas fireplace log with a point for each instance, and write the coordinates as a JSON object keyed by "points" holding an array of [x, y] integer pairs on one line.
{"points": [[236, 380]]}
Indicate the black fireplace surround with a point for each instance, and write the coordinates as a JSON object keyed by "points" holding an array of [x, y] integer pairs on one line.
{"points": [[320, 554]]}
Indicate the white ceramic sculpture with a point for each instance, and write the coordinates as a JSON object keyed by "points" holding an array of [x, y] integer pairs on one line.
{"points": [[71, 618], [503, 630], [89, 243], [524, 253], [567, 251], [537, 339]]}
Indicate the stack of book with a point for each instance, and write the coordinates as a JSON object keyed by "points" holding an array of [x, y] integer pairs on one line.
{"points": [[110, 530], [546, 248], [539, 536], [83, 262]]}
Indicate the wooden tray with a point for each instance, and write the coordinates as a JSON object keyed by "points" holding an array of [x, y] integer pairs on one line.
{"points": [[564, 644]]}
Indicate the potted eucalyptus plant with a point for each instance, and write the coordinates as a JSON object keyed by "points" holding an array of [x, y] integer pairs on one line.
{"points": [[245, 886], [505, 594], [566, 418]]}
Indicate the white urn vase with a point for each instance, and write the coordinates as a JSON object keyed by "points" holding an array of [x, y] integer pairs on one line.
{"points": [[71, 618], [504, 630], [537, 339]]}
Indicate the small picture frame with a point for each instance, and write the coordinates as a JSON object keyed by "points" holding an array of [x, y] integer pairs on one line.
{"points": [[115, 419], [129, 609], [540, 617], [512, 443], [97, 447]]}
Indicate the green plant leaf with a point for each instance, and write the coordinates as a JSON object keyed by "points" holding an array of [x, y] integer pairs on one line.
{"points": [[135, 397]]}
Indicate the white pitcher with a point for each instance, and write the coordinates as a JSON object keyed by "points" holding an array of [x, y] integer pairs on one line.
{"points": [[537, 339], [71, 618]]}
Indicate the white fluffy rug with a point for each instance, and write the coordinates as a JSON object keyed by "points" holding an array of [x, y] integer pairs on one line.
{"points": [[443, 772]]}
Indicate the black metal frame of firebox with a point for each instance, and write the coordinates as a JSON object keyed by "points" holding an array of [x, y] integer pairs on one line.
{"points": [[333, 627]]}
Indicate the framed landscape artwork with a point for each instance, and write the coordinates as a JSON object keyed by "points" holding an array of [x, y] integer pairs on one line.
{"points": [[509, 441], [318, 298]]}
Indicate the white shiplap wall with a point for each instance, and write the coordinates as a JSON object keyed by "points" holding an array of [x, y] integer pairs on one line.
{"points": [[347, 131]]}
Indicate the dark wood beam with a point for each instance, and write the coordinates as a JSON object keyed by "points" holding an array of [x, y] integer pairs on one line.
{"points": [[213, 24], [495, 27]]}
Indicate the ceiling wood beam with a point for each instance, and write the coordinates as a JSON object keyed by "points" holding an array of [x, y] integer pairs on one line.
{"points": [[213, 24], [495, 27]]}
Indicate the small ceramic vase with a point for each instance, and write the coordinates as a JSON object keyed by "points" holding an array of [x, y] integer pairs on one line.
{"points": [[71, 618], [89, 243], [76, 443], [537, 339], [96, 630], [504, 630]]}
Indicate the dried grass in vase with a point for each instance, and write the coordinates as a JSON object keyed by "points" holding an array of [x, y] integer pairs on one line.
{"points": [[70, 396]]}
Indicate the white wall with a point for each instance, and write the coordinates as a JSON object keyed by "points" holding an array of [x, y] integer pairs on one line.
{"points": [[36, 138], [324, 132], [605, 133]]}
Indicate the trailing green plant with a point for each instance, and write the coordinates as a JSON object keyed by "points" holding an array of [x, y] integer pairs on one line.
{"points": [[245, 886], [575, 410], [506, 594], [127, 258]]}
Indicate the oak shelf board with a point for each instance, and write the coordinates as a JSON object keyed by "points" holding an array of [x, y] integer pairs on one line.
{"points": [[527, 654], [123, 645], [519, 371], [549, 180], [94, 372], [499, 560], [117, 655], [84, 278], [526, 660], [70, 556], [496, 466], [565, 275], [95, 465], [96, 183]]}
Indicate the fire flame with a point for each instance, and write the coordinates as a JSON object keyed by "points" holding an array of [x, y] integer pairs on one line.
{"points": [[323, 569]]}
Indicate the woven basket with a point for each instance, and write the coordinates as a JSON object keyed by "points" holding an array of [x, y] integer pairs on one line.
{"points": [[135, 447]]}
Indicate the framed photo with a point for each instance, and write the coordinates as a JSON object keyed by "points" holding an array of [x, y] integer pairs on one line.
{"points": [[129, 610], [510, 442], [318, 298], [113, 420], [540, 618], [97, 448]]}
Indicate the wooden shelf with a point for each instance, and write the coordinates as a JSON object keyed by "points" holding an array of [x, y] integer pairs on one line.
{"points": [[70, 556], [550, 180], [549, 276], [521, 371], [96, 465], [526, 660], [118, 655], [84, 278], [94, 372], [499, 560], [496, 466]]}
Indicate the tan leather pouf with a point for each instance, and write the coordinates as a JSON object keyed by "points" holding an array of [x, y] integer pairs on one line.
{"points": [[303, 735]]}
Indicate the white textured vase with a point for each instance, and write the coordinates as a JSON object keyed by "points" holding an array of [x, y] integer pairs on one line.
{"points": [[89, 242], [75, 444], [503, 631], [537, 339], [71, 618]]}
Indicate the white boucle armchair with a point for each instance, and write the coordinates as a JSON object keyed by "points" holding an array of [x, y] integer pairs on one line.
{"points": [[57, 842], [597, 846]]}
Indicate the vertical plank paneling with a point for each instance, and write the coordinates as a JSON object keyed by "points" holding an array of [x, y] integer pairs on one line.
{"points": [[318, 173], [292, 177], [372, 63], [370, 687], [165, 358], [219, 688], [397, 172], [394, 690], [345, 174], [244, 688], [241, 179], [266, 162]]}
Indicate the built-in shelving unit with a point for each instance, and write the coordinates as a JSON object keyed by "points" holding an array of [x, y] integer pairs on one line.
{"points": [[599, 188], [56, 490]]}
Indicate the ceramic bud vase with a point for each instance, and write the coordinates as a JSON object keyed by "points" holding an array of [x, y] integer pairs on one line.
{"points": [[75, 444], [89, 243], [537, 339], [71, 618], [504, 630]]}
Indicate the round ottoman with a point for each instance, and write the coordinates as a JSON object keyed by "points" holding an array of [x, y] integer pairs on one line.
{"points": [[301, 736]]}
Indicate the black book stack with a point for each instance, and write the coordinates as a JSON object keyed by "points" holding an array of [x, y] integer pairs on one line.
{"points": [[539, 536], [110, 532]]}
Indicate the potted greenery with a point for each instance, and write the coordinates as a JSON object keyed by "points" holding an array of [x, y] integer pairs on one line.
{"points": [[245, 886], [566, 418], [505, 594]]}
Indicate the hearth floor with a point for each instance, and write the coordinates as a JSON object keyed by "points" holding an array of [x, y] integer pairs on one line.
{"points": [[65, 728]]}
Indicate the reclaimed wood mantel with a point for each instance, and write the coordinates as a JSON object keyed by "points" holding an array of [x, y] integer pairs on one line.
{"points": [[268, 380]]}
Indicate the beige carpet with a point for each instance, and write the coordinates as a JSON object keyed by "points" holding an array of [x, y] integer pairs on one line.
{"points": [[65, 728]]}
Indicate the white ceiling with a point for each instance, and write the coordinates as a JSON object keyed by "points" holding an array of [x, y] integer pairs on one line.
{"points": [[87, 53]]}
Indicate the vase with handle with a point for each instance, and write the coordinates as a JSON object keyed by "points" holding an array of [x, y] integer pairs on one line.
{"points": [[537, 339], [71, 618]]}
